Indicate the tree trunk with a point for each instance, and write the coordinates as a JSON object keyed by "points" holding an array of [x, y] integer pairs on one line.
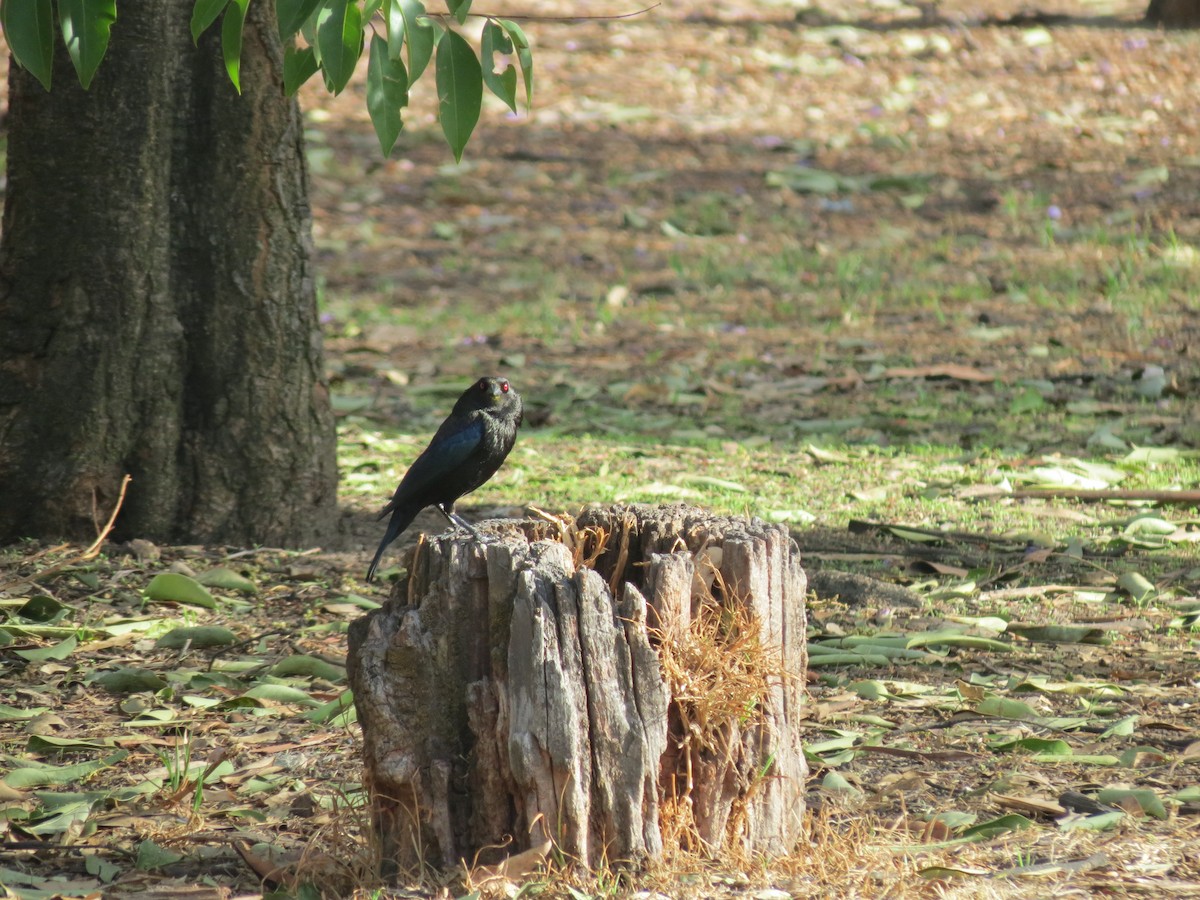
{"points": [[628, 683], [1174, 13], [157, 304]]}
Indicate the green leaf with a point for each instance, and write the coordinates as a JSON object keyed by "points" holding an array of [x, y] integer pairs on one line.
{"points": [[1041, 746], [227, 580], [42, 776], [836, 782], [231, 40], [459, 9], [44, 609], [953, 639], [128, 680], [151, 856], [1002, 825], [13, 714], [387, 93], [204, 13], [1136, 586], [339, 43], [460, 90], [846, 658], [524, 56], [1150, 524], [298, 67], [29, 30], [65, 818], [281, 693], [419, 38], [1101, 822], [292, 14], [48, 743], [85, 28], [175, 588], [809, 181], [101, 868], [340, 710], [198, 636], [61, 650], [1061, 634], [309, 667], [1146, 799], [1157, 454], [503, 84], [1029, 400], [1006, 709], [1123, 727]]}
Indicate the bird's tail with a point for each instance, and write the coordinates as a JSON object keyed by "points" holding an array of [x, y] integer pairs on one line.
{"points": [[402, 517]]}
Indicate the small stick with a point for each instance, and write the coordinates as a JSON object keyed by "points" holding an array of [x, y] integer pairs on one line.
{"points": [[94, 550], [1187, 498]]}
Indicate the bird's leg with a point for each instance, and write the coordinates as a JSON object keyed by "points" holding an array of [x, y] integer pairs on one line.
{"points": [[455, 519]]}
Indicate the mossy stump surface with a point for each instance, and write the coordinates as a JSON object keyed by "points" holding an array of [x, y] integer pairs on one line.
{"points": [[629, 681]]}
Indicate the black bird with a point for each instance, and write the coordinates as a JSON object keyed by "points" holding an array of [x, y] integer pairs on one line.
{"points": [[465, 452]]}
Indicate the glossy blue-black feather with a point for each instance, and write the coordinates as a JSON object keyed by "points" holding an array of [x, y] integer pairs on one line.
{"points": [[449, 449], [465, 452]]}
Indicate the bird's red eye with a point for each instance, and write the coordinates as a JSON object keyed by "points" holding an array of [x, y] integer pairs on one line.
{"points": [[504, 387]]}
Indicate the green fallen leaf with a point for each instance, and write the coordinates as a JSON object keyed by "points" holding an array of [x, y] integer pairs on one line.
{"points": [[1041, 746], [844, 658], [65, 818], [1029, 400], [13, 714], [98, 867], [1148, 801], [227, 580], [48, 743], [1002, 825], [939, 873], [45, 776], [836, 782], [127, 680], [954, 639], [1137, 586], [151, 856], [61, 650], [43, 609], [1149, 524], [172, 587], [198, 637], [1004, 708], [1061, 634], [281, 693], [719, 483], [309, 667], [341, 711], [1123, 727], [1101, 822], [956, 819]]}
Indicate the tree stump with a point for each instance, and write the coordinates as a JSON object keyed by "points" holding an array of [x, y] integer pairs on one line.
{"points": [[629, 681]]}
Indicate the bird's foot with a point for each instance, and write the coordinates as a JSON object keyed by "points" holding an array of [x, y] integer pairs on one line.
{"points": [[455, 519]]}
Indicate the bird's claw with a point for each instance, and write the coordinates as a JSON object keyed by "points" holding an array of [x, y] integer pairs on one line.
{"points": [[458, 521]]}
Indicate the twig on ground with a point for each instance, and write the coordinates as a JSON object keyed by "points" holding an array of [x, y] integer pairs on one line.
{"points": [[1188, 498]]}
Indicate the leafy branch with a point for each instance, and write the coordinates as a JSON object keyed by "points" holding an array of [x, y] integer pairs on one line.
{"points": [[326, 36]]}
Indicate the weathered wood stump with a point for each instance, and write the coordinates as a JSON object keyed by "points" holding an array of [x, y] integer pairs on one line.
{"points": [[626, 681]]}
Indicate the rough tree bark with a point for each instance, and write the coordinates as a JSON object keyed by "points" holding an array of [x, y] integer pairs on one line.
{"points": [[630, 683], [157, 302], [1174, 13]]}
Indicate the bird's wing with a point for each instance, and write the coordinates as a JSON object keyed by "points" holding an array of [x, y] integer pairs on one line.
{"points": [[450, 448]]}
